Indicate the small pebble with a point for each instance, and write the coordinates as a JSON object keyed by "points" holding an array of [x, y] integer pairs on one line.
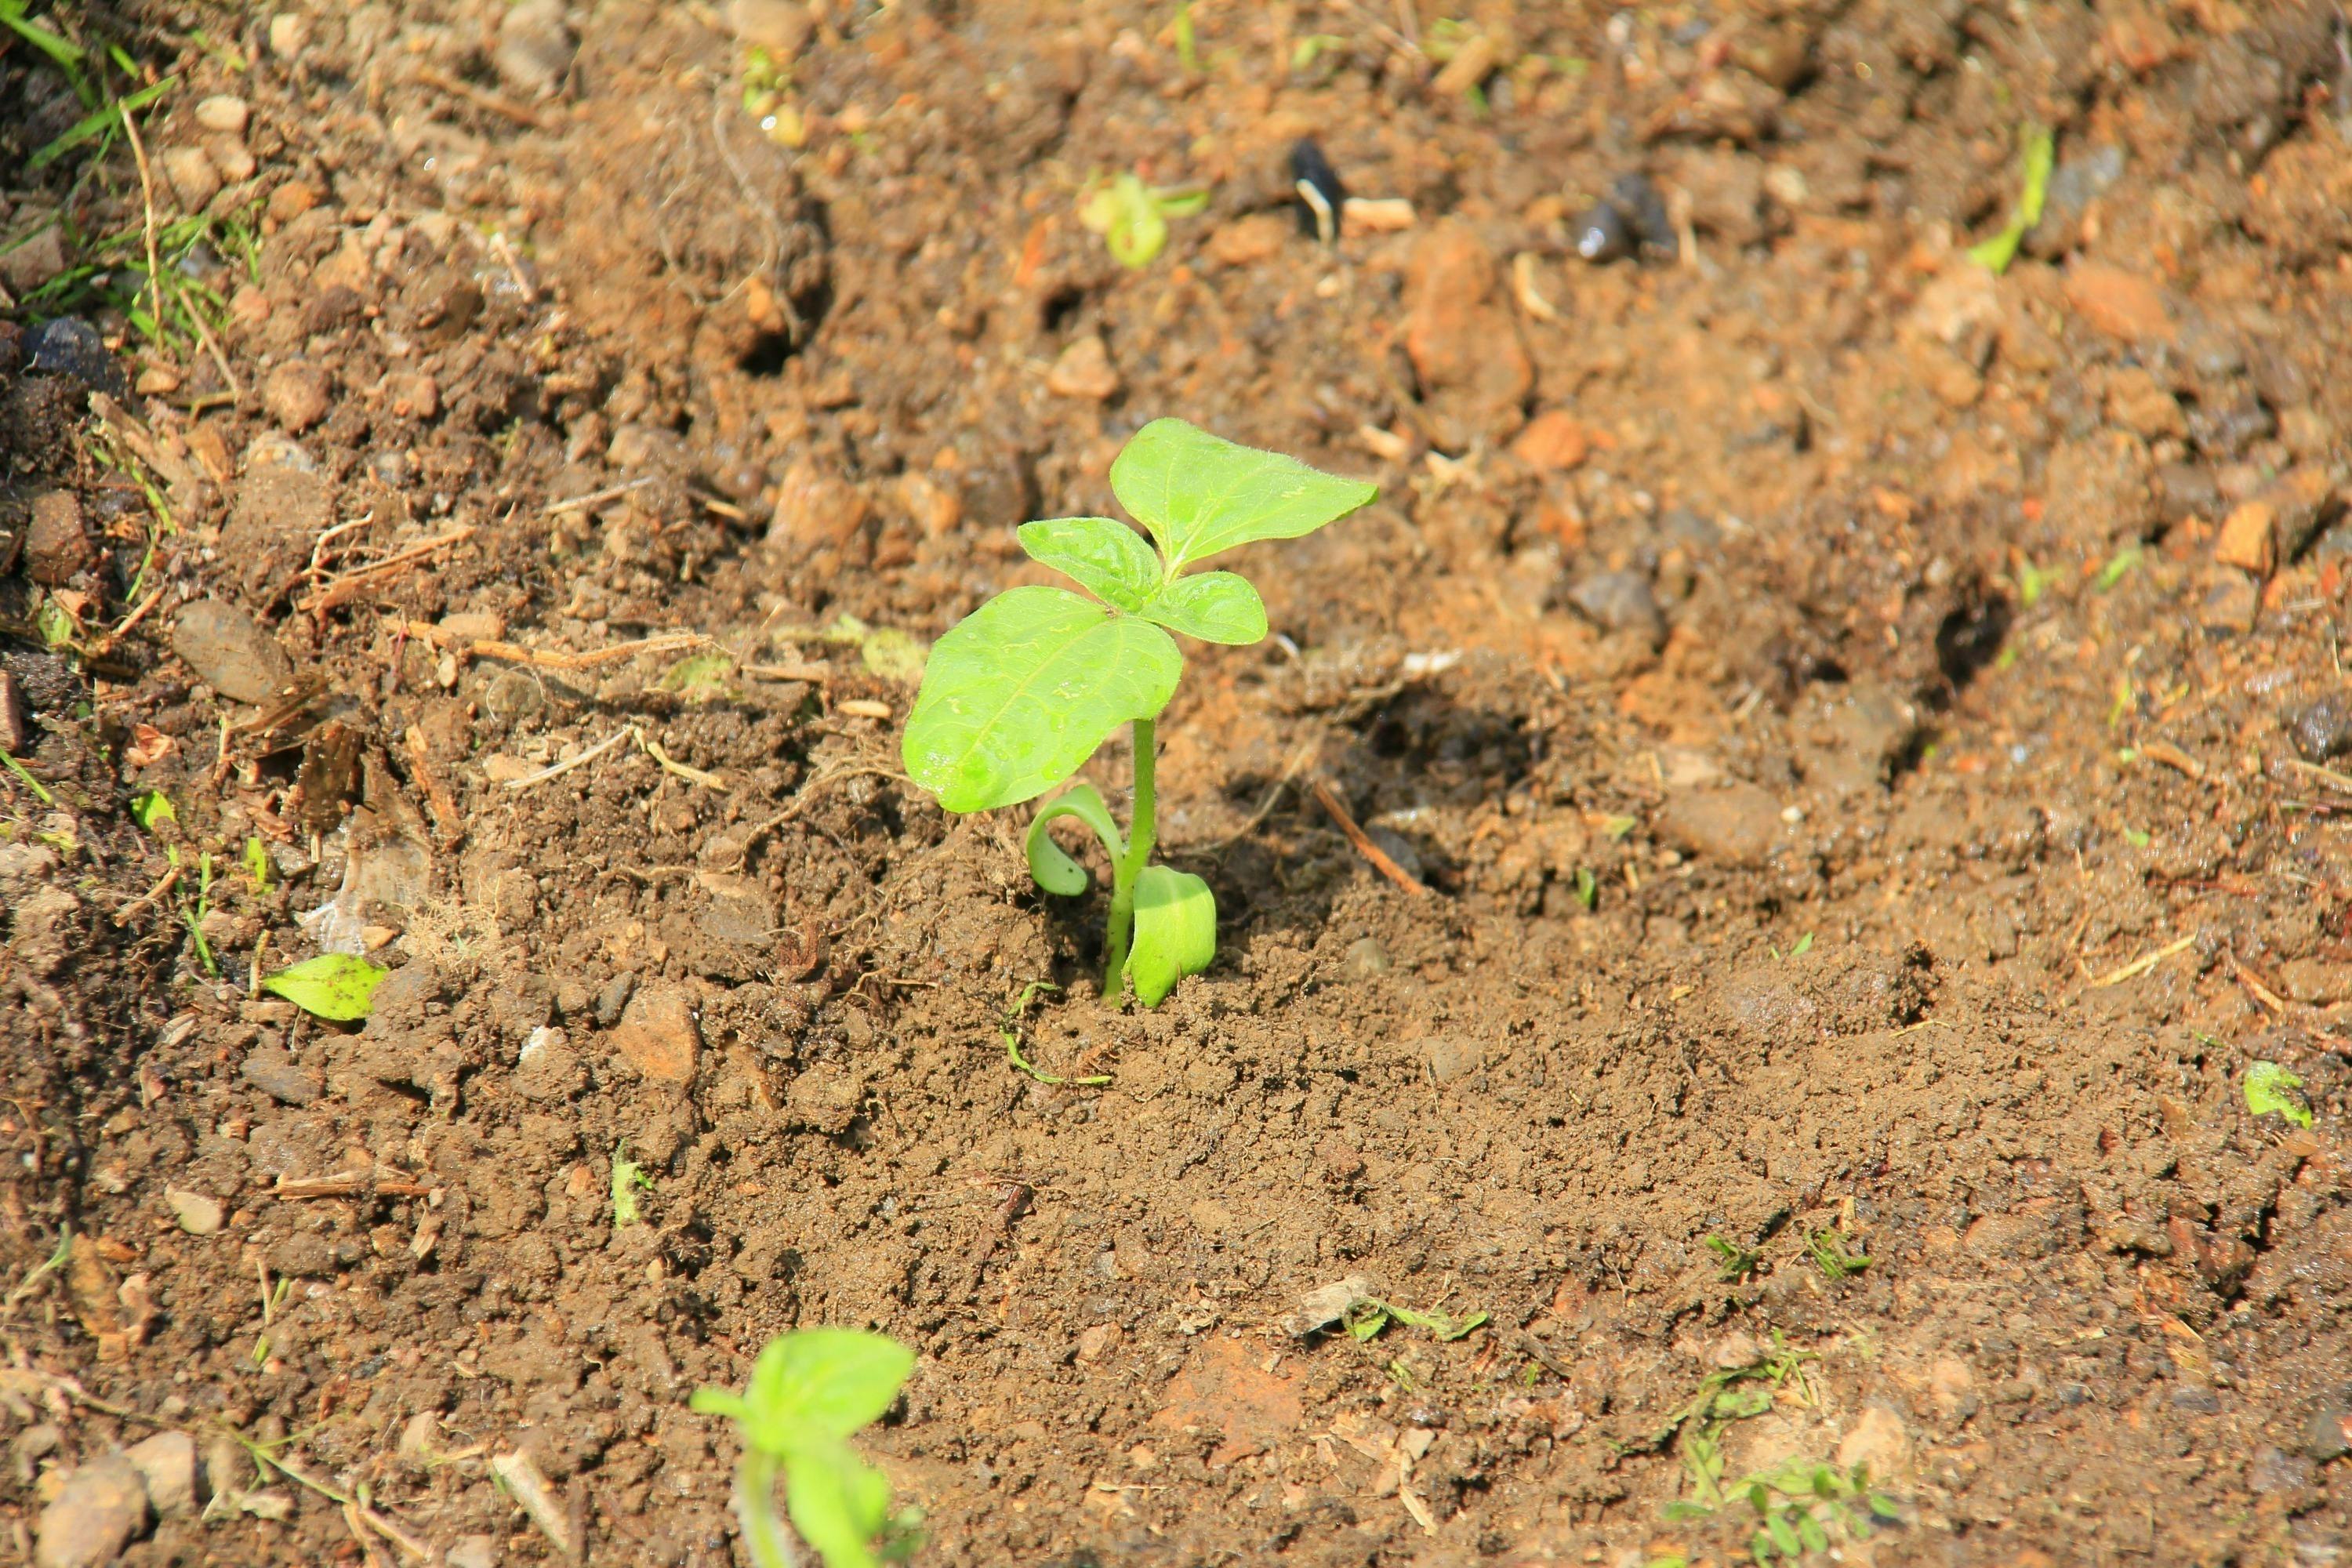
{"points": [[100, 1507], [2329, 1434], [2324, 728], [289, 33], [296, 394], [1602, 235], [1645, 213], [1310, 168], [1366, 957], [198, 1214], [192, 177], [613, 998], [166, 1462], [223, 113], [57, 545], [1619, 602], [230, 653], [71, 346]]}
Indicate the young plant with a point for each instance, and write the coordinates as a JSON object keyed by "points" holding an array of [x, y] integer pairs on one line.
{"points": [[1132, 217], [1020, 694], [808, 1391]]}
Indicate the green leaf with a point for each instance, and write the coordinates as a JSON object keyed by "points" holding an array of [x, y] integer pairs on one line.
{"points": [[1215, 607], [700, 677], [838, 1503], [1025, 689], [1130, 220], [1810, 1531], [333, 985], [1784, 1533], [2270, 1087], [1997, 253], [257, 863], [1049, 865], [1106, 557], [814, 1386], [151, 808], [1201, 494], [98, 121], [1175, 931]]}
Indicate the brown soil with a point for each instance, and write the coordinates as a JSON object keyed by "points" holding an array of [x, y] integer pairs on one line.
{"points": [[1808, 673]]}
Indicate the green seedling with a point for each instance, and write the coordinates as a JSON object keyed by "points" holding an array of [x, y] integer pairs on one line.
{"points": [[195, 918], [1733, 1262], [2119, 566], [1020, 694], [1369, 1317], [333, 986], [1796, 1506], [2270, 1087], [1587, 888], [629, 1179], [810, 1390], [1132, 217], [1828, 1250], [39, 792], [150, 808], [1997, 253], [257, 863], [1011, 1029]]}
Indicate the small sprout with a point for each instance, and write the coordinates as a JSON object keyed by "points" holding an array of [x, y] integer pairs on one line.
{"points": [[810, 1390], [1188, 48], [1132, 217], [1312, 47], [2118, 566], [2137, 838], [1023, 691], [629, 1179], [2270, 1087], [2033, 581], [151, 808], [1997, 253], [333, 986], [1588, 887], [1011, 1029], [257, 863], [1734, 1262], [1367, 1316], [700, 678], [43, 795], [1618, 827], [1804, 945], [1321, 196], [1828, 1250]]}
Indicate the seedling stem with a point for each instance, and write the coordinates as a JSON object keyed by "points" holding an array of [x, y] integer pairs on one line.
{"points": [[1141, 834]]}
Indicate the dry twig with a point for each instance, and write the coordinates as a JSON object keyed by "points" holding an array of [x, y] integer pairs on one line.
{"points": [[351, 584], [2143, 963], [1364, 844]]}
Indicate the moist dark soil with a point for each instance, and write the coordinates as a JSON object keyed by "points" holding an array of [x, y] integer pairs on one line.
{"points": [[1862, 731]]}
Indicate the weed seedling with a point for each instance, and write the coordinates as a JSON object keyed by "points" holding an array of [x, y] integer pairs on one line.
{"points": [[1828, 1250], [1020, 693], [1132, 217], [2270, 1087], [1734, 1262], [1011, 1029], [808, 1391], [629, 1179]]}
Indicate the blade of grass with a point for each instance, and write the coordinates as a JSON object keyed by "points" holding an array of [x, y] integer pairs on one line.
{"points": [[97, 121]]}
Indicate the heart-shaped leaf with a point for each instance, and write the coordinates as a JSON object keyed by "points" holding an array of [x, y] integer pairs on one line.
{"points": [[1107, 558], [1025, 689], [1200, 494], [1049, 865], [1175, 931], [333, 986], [1215, 607], [818, 1385]]}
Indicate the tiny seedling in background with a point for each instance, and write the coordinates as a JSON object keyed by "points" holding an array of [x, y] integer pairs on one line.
{"points": [[1828, 1250], [810, 1390], [629, 1179], [2039, 156], [152, 808], [257, 864], [2270, 1087], [1369, 1316], [1021, 692], [1132, 217], [1733, 1262]]}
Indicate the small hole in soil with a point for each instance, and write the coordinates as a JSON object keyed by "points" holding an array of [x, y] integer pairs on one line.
{"points": [[1970, 638], [1059, 307], [767, 354]]}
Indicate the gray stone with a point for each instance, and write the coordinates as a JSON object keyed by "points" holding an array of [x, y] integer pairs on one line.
{"points": [[230, 653], [102, 1508], [613, 998], [2323, 729], [2329, 1434], [167, 1464], [1619, 602]]}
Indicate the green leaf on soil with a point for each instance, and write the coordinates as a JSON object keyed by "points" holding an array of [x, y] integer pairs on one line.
{"points": [[151, 808], [2118, 566], [2040, 157], [1129, 219], [814, 1386], [1175, 931], [334, 986], [257, 863], [2270, 1087], [99, 121], [1215, 607], [1200, 494], [700, 677], [1588, 887], [1102, 555], [1025, 689], [629, 1179]]}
